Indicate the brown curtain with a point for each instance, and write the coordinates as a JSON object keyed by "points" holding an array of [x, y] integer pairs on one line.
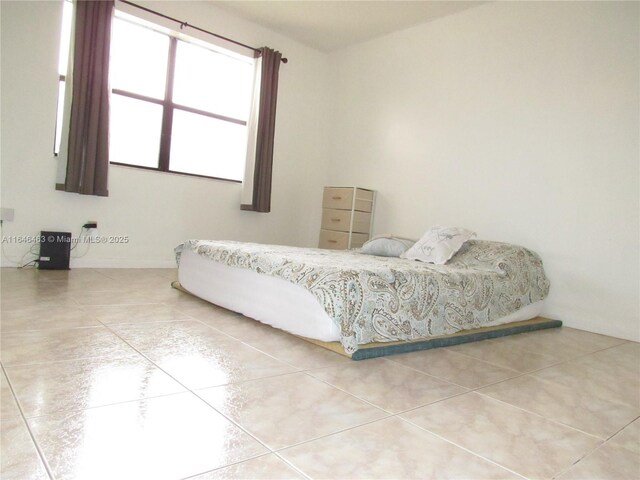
{"points": [[265, 131], [88, 152]]}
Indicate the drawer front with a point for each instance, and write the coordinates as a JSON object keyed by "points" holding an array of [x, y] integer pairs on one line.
{"points": [[342, 198], [358, 239], [340, 240], [340, 220], [333, 240]]}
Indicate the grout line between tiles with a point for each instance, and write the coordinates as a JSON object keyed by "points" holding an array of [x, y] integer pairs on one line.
{"points": [[222, 467], [153, 274], [246, 460], [620, 430], [593, 450], [348, 393], [433, 403], [50, 329], [192, 392], [582, 457], [541, 416], [291, 465], [610, 347], [518, 374], [342, 430], [553, 383], [276, 451], [195, 475], [389, 414], [463, 448], [441, 379], [76, 411], [217, 330], [75, 359], [383, 409], [608, 399], [92, 305], [483, 360], [41, 456], [559, 362]]}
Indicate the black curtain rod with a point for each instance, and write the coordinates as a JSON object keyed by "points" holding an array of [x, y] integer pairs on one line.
{"points": [[185, 24]]}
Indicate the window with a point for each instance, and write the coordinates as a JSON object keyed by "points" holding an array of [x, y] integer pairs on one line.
{"points": [[63, 62], [177, 105]]}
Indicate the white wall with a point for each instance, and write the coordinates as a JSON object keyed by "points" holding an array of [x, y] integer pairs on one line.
{"points": [[156, 210], [518, 120]]}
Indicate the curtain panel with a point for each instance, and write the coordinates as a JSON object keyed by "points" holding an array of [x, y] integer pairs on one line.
{"points": [[256, 194], [88, 147]]}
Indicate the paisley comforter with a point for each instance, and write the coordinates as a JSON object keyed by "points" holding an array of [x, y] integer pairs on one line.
{"points": [[381, 299]]}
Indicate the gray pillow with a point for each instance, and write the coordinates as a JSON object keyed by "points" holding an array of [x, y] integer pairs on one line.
{"points": [[387, 246]]}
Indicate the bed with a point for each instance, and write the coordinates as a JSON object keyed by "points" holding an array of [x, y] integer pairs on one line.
{"points": [[356, 301]]}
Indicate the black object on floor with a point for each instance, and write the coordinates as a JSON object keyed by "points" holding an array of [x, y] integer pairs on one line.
{"points": [[55, 251]]}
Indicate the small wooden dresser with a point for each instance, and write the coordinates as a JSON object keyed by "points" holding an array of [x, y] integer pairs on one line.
{"points": [[347, 214]]}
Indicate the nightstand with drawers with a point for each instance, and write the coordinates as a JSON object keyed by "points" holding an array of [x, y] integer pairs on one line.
{"points": [[347, 214]]}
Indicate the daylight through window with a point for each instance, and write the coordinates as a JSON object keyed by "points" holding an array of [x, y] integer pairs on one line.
{"points": [[177, 105]]}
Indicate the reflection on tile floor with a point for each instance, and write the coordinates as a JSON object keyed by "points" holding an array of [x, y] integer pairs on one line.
{"points": [[110, 373]]}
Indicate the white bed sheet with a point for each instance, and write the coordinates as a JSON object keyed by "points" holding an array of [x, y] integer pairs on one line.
{"points": [[274, 301], [268, 299]]}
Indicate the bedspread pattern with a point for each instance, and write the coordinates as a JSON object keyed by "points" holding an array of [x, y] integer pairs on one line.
{"points": [[381, 299]]}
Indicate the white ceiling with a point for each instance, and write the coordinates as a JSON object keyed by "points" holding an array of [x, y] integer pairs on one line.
{"points": [[331, 25]]}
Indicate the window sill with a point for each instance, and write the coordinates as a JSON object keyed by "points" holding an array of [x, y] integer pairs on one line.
{"points": [[157, 170]]}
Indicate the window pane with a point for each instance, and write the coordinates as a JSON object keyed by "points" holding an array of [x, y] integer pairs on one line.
{"points": [[211, 81], [65, 37], [60, 114], [207, 146], [138, 59], [134, 135]]}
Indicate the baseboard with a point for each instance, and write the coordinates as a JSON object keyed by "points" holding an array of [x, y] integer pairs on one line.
{"points": [[110, 263], [122, 263]]}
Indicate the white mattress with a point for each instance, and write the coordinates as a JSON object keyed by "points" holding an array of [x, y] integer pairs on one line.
{"points": [[268, 299], [274, 301]]}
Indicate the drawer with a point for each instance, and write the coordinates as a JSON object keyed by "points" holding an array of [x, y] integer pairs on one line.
{"points": [[340, 220], [340, 240], [342, 198]]}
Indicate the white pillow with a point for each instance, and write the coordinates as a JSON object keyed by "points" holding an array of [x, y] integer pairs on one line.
{"points": [[439, 244], [387, 246]]}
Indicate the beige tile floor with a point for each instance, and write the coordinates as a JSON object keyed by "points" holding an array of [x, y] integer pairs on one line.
{"points": [[111, 374]]}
